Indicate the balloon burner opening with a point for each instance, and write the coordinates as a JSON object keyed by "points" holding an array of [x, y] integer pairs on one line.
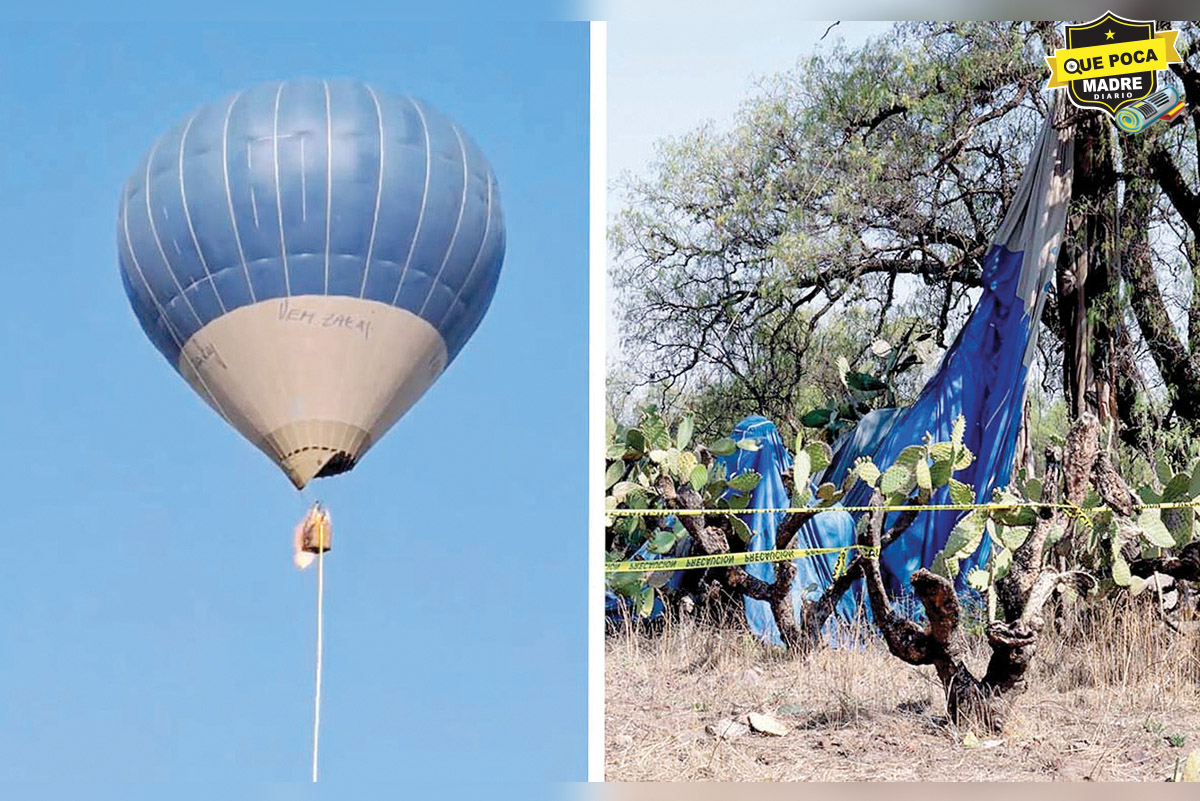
{"points": [[340, 462]]}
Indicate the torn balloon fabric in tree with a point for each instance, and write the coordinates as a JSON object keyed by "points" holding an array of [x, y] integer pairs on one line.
{"points": [[982, 376]]}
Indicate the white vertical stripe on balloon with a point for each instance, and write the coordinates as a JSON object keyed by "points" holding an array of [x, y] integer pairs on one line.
{"points": [[254, 207], [378, 195], [478, 255], [462, 207], [229, 194], [303, 182], [424, 198], [187, 214], [287, 282], [328, 179]]}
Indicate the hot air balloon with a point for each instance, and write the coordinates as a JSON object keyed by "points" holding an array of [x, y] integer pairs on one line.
{"points": [[310, 256]]}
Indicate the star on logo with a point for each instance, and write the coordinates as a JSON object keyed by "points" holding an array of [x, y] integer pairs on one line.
{"points": [[1108, 34]]}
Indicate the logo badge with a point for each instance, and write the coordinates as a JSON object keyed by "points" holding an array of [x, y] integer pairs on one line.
{"points": [[1112, 63]]}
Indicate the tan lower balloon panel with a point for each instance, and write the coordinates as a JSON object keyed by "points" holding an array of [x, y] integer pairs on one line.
{"points": [[313, 381]]}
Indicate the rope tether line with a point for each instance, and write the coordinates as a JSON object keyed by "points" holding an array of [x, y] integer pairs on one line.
{"points": [[322, 542]]}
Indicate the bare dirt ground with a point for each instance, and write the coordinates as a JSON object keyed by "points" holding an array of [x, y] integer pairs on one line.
{"points": [[1114, 700]]}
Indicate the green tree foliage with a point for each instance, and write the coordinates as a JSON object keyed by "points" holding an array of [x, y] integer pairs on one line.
{"points": [[854, 197]]}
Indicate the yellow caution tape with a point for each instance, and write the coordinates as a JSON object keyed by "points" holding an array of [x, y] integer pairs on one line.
{"points": [[786, 555], [734, 559], [841, 564]]}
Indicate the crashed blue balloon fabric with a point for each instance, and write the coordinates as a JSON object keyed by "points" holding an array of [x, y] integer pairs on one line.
{"points": [[835, 528], [982, 376]]}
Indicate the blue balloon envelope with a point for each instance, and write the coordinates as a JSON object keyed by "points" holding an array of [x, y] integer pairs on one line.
{"points": [[310, 256]]}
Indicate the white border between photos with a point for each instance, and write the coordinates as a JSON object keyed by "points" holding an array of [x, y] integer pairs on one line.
{"points": [[596, 361]]}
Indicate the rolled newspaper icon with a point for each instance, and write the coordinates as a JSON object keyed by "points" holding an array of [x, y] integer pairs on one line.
{"points": [[1136, 117], [1174, 111]]}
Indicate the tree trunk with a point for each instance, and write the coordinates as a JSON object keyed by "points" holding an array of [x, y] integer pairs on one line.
{"points": [[1087, 278]]}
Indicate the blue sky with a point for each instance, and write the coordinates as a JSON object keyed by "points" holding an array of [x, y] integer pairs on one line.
{"points": [[154, 627], [667, 77]]}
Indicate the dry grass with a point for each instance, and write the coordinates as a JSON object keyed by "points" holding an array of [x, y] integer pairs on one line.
{"points": [[1115, 698]]}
